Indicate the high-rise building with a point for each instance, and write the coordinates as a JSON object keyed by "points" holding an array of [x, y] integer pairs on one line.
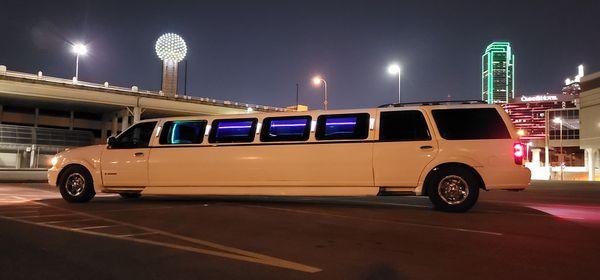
{"points": [[498, 73]]}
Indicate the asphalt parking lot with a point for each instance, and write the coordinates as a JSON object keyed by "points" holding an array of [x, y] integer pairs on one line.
{"points": [[550, 231]]}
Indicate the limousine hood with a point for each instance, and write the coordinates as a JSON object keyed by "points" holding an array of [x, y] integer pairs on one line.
{"points": [[84, 150], [88, 156]]}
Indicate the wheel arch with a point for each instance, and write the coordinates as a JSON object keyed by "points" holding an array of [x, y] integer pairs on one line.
{"points": [[445, 165]]}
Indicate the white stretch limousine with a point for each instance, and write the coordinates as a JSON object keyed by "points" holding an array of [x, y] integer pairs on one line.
{"points": [[446, 151]]}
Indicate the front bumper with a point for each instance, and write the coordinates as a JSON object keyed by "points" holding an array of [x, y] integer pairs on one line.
{"points": [[53, 176]]}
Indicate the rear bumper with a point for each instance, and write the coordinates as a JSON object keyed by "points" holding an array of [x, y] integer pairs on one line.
{"points": [[517, 178]]}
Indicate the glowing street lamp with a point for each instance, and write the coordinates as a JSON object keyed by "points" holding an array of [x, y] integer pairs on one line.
{"points": [[394, 69], [317, 81], [559, 121], [78, 49]]}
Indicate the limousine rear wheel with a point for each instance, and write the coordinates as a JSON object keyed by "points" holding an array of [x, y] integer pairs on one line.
{"points": [[453, 189], [77, 185]]}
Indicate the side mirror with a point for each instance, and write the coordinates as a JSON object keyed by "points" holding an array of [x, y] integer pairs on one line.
{"points": [[111, 141]]}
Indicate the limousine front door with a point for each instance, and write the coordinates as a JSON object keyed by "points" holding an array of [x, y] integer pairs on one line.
{"points": [[125, 167], [125, 162]]}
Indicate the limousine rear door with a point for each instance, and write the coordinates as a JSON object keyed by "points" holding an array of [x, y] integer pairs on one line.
{"points": [[404, 148], [125, 163]]}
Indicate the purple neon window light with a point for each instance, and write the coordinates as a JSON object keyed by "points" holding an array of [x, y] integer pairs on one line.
{"points": [[288, 127], [340, 126], [233, 129]]}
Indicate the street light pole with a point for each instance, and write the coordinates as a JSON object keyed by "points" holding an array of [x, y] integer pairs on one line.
{"points": [[559, 121], [78, 49], [318, 81], [395, 69], [562, 155], [399, 87], [325, 102], [77, 67]]}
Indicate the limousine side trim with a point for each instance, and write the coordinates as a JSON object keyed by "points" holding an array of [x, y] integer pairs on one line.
{"points": [[262, 190]]}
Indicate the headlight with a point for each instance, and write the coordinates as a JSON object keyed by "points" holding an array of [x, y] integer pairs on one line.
{"points": [[54, 161]]}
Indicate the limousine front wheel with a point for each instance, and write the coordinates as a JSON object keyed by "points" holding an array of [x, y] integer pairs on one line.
{"points": [[76, 185], [453, 189]]}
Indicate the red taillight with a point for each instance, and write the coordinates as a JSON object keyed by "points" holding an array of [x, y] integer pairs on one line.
{"points": [[518, 152]]}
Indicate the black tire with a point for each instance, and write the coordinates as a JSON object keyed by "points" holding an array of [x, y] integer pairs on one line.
{"points": [[453, 189], [76, 185], [130, 195]]}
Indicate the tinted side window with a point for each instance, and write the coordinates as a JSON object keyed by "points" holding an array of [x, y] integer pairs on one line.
{"points": [[232, 131], [403, 126], [465, 124], [137, 136], [342, 126], [183, 132], [286, 129]]}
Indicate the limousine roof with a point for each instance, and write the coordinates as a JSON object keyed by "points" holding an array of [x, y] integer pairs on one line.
{"points": [[431, 105]]}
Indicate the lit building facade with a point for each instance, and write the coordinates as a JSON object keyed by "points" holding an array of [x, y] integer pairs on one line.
{"points": [[498, 73], [528, 112], [549, 124]]}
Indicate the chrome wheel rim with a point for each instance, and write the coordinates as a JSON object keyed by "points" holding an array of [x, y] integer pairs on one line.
{"points": [[453, 189], [75, 184]]}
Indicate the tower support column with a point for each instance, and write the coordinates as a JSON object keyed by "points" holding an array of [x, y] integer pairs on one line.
{"points": [[169, 78]]}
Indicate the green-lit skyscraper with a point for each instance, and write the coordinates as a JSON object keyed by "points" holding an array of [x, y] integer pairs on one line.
{"points": [[498, 73]]}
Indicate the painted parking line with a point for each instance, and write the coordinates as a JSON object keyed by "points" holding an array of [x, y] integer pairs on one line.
{"points": [[201, 246], [68, 221], [138, 234], [94, 227], [44, 216]]}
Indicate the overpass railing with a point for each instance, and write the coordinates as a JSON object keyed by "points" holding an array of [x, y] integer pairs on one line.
{"points": [[134, 90]]}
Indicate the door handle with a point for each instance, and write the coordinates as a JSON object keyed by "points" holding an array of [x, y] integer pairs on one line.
{"points": [[426, 147], [138, 154]]}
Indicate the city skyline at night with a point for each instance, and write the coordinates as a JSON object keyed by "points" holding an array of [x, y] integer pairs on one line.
{"points": [[258, 53]]}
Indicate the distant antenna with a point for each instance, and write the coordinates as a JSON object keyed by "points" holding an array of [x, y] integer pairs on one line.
{"points": [[185, 79], [297, 96]]}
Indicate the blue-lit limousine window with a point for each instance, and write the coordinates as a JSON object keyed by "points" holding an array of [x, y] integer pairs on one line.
{"points": [[342, 126], [295, 128], [232, 131], [182, 132]]}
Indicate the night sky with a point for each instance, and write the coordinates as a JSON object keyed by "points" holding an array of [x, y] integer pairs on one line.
{"points": [[256, 51]]}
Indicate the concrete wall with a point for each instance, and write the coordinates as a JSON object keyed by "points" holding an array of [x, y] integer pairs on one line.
{"points": [[589, 115], [8, 160]]}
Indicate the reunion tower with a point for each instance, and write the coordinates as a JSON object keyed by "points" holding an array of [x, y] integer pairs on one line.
{"points": [[171, 49]]}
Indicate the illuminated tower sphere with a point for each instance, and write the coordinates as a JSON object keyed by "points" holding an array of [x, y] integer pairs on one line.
{"points": [[171, 49]]}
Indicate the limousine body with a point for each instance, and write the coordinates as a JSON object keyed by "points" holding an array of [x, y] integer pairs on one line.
{"points": [[448, 152]]}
